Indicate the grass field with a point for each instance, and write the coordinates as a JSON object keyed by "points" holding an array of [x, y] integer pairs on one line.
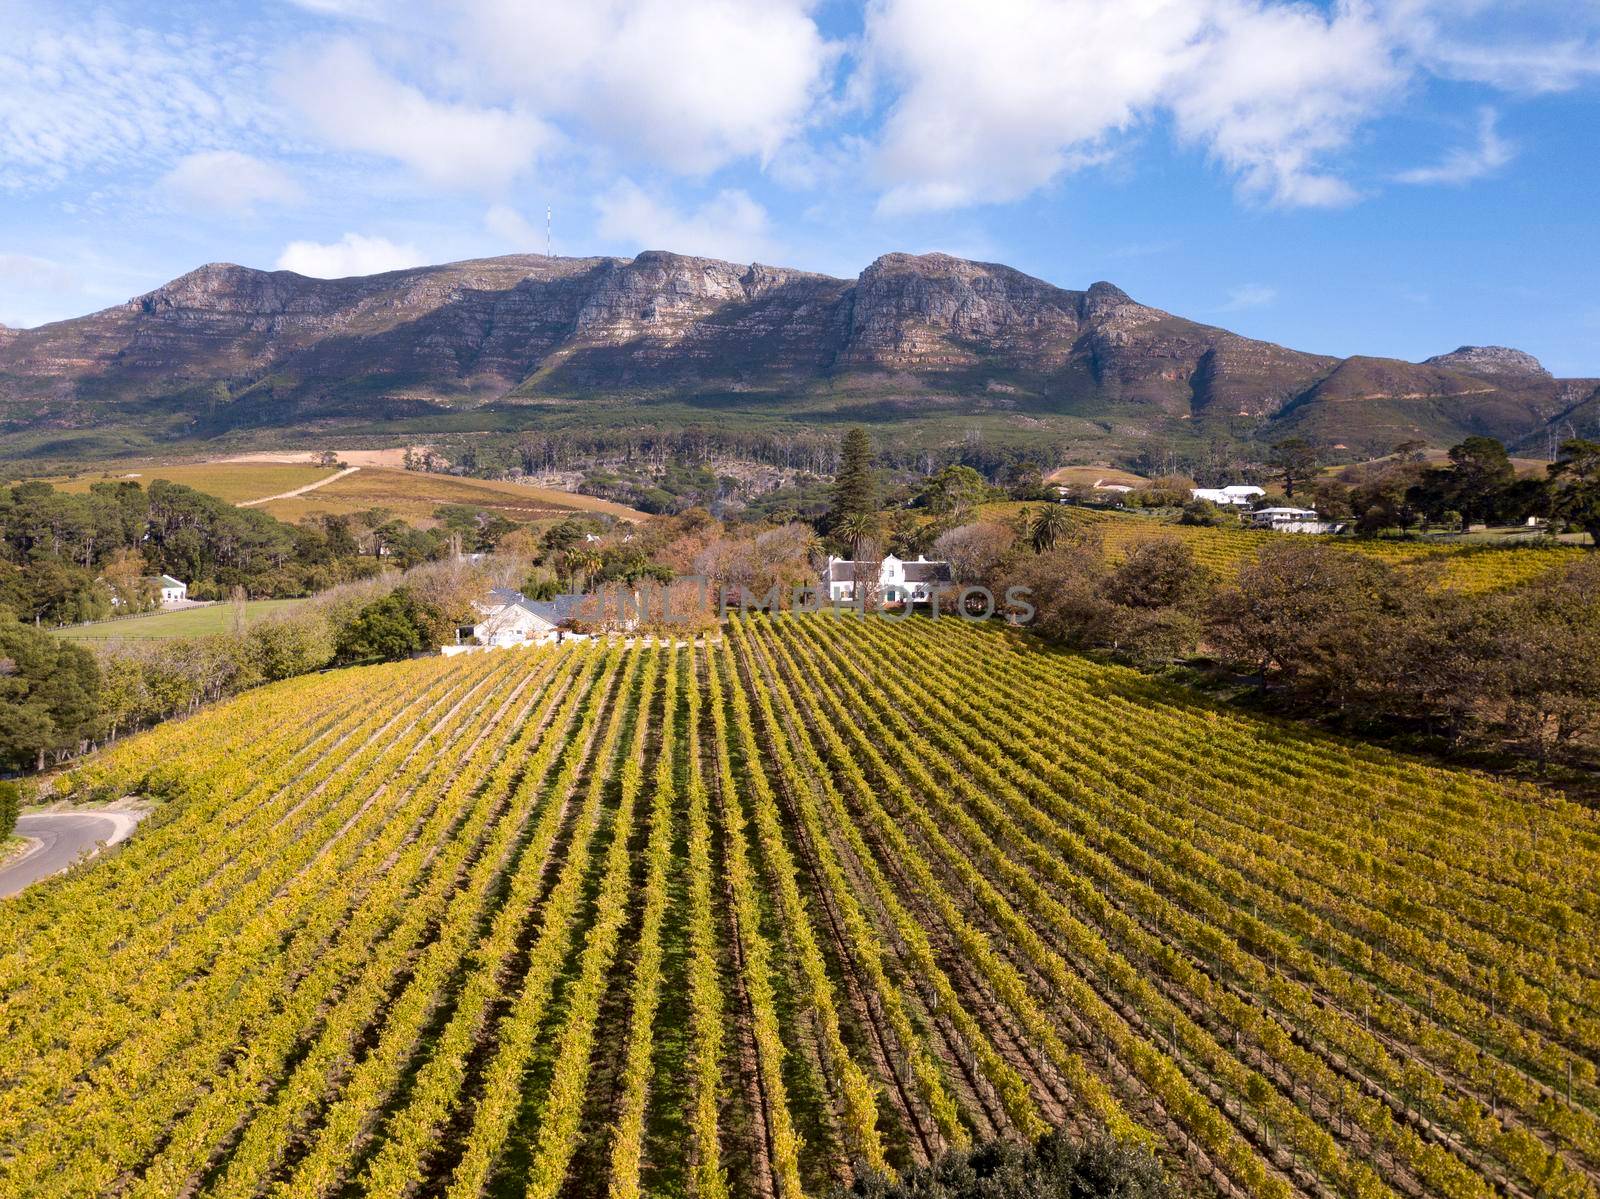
{"points": [[1088, 476], [734, 920], [235, 482], [1469, 566], [185, 622], [413, 496]]}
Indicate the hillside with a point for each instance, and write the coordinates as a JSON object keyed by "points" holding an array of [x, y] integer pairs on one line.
{"points": [[744, 918], [927, 342]]}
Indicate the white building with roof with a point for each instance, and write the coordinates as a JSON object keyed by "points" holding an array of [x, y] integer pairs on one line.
{"points": [[509, 618], [1236, 495], [899, 581], [1293, 520]]}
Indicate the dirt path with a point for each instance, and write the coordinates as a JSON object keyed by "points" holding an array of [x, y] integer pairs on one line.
{"points": [[289, 495]]}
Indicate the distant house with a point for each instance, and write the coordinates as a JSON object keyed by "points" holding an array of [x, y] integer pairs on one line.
{"points": [[509, 618], [899, 581], [1293, 520], [171, 591], [1237, 495]]}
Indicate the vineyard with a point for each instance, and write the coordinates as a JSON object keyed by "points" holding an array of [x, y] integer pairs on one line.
{"points": [[820, 896], [1469, 568]]}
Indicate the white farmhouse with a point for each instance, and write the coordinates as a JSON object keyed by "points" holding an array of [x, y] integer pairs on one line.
{"points": [[1293, 520], [899, 581], [171, 591], [510, 618], [1237, 495]]}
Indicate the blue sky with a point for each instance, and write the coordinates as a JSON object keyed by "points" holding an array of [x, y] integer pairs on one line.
{"points": [[1391, 177]]}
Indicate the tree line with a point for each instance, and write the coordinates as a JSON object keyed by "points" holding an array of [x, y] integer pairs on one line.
{"points": [[1319, 630], [66, 558]]}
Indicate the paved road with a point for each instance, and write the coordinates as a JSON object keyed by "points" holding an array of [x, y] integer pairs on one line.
{"points": [[59, 838]]}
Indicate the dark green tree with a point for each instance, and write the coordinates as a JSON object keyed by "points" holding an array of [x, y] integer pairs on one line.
{"points": [[49, 688], [10, 801], [396, 626], [1480, 474], [1575, 481], [1056, 1167], [855, 488], [1295, 462]]}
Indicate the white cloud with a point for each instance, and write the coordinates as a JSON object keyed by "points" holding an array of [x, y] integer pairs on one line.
{"points": [[1249, 295], [354, 104], [689, 85], [997, 99], [1464, 164], [512, 227], [353, 254], [27, 272], [730, 225], [1276, 89], [101, 95], [228, 181]]}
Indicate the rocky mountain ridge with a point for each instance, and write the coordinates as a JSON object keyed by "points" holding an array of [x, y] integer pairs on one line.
{"points": [[229, 347]]}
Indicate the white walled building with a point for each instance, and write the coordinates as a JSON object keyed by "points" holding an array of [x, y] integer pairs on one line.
{"points": [[899, 581], [1293, 520], [1237, 495]]}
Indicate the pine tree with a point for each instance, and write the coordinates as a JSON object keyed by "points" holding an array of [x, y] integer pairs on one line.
{"points": [[855, 491]]}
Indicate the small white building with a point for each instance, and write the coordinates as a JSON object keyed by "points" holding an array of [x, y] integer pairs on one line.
{"points": [[1237, 495], [1293, 520], [171, 591], [899, 581], [510, 618]]}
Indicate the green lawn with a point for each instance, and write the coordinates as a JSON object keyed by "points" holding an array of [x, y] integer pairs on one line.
{"points": [[187, 622]]}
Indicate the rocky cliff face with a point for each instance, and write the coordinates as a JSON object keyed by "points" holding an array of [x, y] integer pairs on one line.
{"points": [[228, 346], [1490, 360]]}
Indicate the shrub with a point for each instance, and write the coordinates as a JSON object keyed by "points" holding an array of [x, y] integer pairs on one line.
{"points": [[1056, 1167]]}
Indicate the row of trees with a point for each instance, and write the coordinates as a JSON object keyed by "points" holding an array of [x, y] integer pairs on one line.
{"points": [[67, 558]]}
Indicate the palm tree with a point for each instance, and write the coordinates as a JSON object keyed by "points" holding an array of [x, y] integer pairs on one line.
{"points": [[857, 529], [584, 561], [1046, 528]]}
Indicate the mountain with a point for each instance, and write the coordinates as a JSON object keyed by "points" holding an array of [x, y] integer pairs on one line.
{"points": [[528, 340]]}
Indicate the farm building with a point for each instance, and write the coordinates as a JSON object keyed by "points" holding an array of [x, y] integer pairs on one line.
{"points": [[171, 591], [1293, 520], [899, 581], [510, 618], [1238, 495]]}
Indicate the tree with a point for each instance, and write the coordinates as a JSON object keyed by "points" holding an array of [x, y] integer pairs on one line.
{"points": [[955, 491], [10, 801], [1575, 479], [396, 626], [855, 490], [1047, 528], [1480, 473], [858, 530], [1055, 1167], [49, 688], [1295, 461]]}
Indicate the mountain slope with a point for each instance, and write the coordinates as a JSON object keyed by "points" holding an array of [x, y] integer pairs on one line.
{"points": [[520, 338]]}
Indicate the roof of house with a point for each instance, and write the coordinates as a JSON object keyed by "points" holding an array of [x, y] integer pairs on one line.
{"points": [[1288, 513], [555, 611], [843, 570], [166, 581]]}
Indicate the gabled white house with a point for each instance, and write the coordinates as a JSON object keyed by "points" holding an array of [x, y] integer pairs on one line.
{"points": [[510, 618], [1293, 520], [1237, 495], [170, 591], [899, 581]]}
